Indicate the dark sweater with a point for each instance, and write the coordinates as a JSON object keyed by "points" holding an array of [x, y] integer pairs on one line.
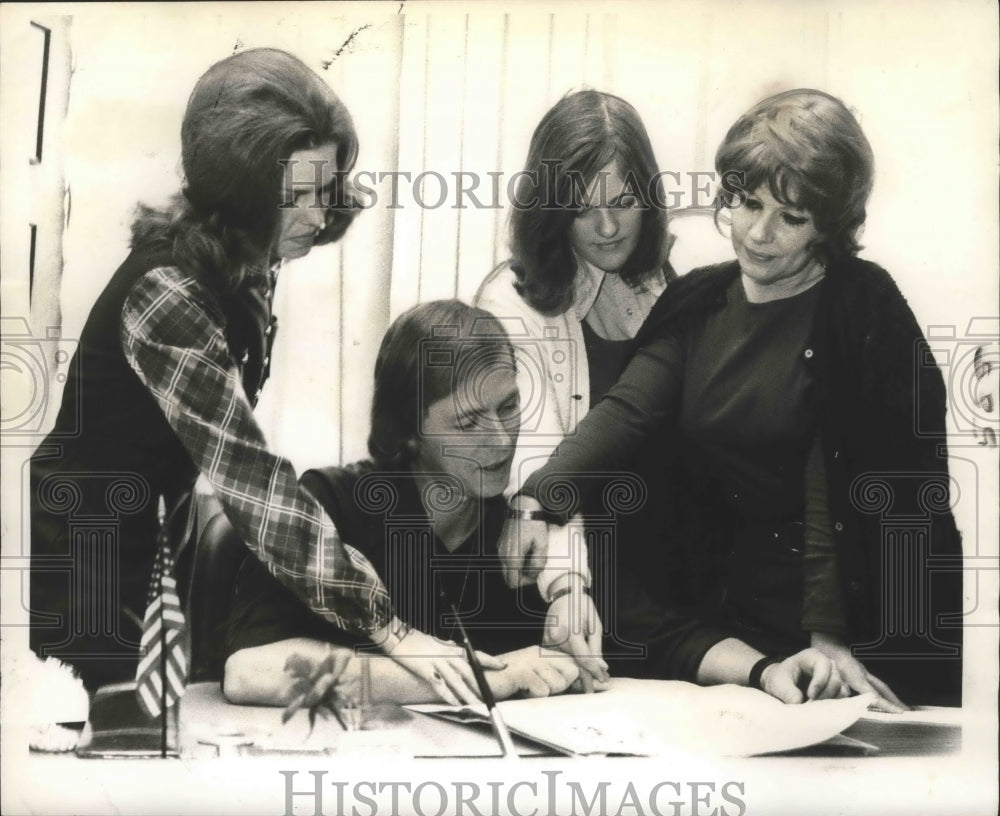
{"points": [[380, 513]]}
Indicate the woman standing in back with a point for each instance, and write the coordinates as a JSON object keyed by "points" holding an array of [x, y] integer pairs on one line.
{"points": [[589, 246]]}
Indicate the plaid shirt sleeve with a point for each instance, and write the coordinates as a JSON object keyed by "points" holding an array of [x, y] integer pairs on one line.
{"points": [[175, 342]]}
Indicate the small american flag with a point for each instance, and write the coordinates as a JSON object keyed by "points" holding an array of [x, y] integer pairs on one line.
{"points": [[163, 667]]}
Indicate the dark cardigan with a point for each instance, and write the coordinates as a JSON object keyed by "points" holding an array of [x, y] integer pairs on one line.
{"points": [[880, 403]]}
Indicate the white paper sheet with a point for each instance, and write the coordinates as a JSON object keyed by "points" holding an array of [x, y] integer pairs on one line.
{"points": [[655, 718], [924, 715]]}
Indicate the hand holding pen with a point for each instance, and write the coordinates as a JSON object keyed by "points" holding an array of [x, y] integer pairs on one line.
{"points": [[499, 727], [439, 664]]}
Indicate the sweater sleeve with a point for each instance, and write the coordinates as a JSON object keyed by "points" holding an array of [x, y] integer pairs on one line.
{"points": [[644, 399], [822, 608]]}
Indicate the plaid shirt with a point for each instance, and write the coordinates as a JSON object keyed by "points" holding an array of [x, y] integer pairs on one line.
{"points": [[173, 337]]}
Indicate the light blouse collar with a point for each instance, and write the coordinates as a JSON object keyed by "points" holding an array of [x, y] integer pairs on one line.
{"points": [[586, 287]]}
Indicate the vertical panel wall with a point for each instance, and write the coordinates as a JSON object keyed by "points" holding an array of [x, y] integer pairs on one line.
{"points": [[443, 95], [34, 202], [454, 92], [34, 199]]}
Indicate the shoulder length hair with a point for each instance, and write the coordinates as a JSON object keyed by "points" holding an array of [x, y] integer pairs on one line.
{"points": [[246, 115], [580, 135], [428, 353], [808, 148]]}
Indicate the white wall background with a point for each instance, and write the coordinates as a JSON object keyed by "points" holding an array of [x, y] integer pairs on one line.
{"points": [[459, 87], [445, 88]]}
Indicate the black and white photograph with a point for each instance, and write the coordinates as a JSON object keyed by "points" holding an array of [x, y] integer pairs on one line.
{"points": [[425, 408]]}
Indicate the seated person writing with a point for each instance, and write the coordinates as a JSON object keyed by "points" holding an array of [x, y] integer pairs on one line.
{"points": [[427, 511]]}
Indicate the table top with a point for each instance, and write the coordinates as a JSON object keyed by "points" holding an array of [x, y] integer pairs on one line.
{"points": [[209, 727], [919, 768], [207, 720]]}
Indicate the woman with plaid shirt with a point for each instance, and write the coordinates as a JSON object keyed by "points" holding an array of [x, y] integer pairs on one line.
{"points": [[169, 367]]}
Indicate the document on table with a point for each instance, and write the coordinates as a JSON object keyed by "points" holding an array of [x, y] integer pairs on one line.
{"points": [[656, 717], [923, 715]]}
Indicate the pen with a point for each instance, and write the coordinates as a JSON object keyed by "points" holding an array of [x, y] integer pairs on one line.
{"points": [[499, 726]]}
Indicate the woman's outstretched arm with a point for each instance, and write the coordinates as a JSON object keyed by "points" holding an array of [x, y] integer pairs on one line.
{"points": [[645, 398], [257, 676], [176, 345]]}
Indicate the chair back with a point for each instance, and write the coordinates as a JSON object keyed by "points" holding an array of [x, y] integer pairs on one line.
{"points": [[210, 576]]}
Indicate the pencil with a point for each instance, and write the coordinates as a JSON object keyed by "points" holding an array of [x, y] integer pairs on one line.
{"points": [[499, 726]]}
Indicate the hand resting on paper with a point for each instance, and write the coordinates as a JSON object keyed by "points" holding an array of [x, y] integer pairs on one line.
{"points": [[533, 672], [856, 676], [806, 675]]}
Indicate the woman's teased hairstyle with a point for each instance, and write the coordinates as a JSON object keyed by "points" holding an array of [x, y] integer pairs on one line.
{"points": [[246, 115], [583, 133], [810, 151], [432, 350]]}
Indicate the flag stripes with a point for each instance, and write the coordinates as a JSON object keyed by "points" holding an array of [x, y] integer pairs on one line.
{"points": [[163, 646]]}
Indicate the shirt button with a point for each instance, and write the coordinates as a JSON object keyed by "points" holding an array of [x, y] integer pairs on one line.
{"points": [[629, 311], [736, 496], [838, 527], [808, 354]]}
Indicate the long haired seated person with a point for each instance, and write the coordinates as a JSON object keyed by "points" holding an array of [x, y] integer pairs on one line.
{"points": [[427, 510]]}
